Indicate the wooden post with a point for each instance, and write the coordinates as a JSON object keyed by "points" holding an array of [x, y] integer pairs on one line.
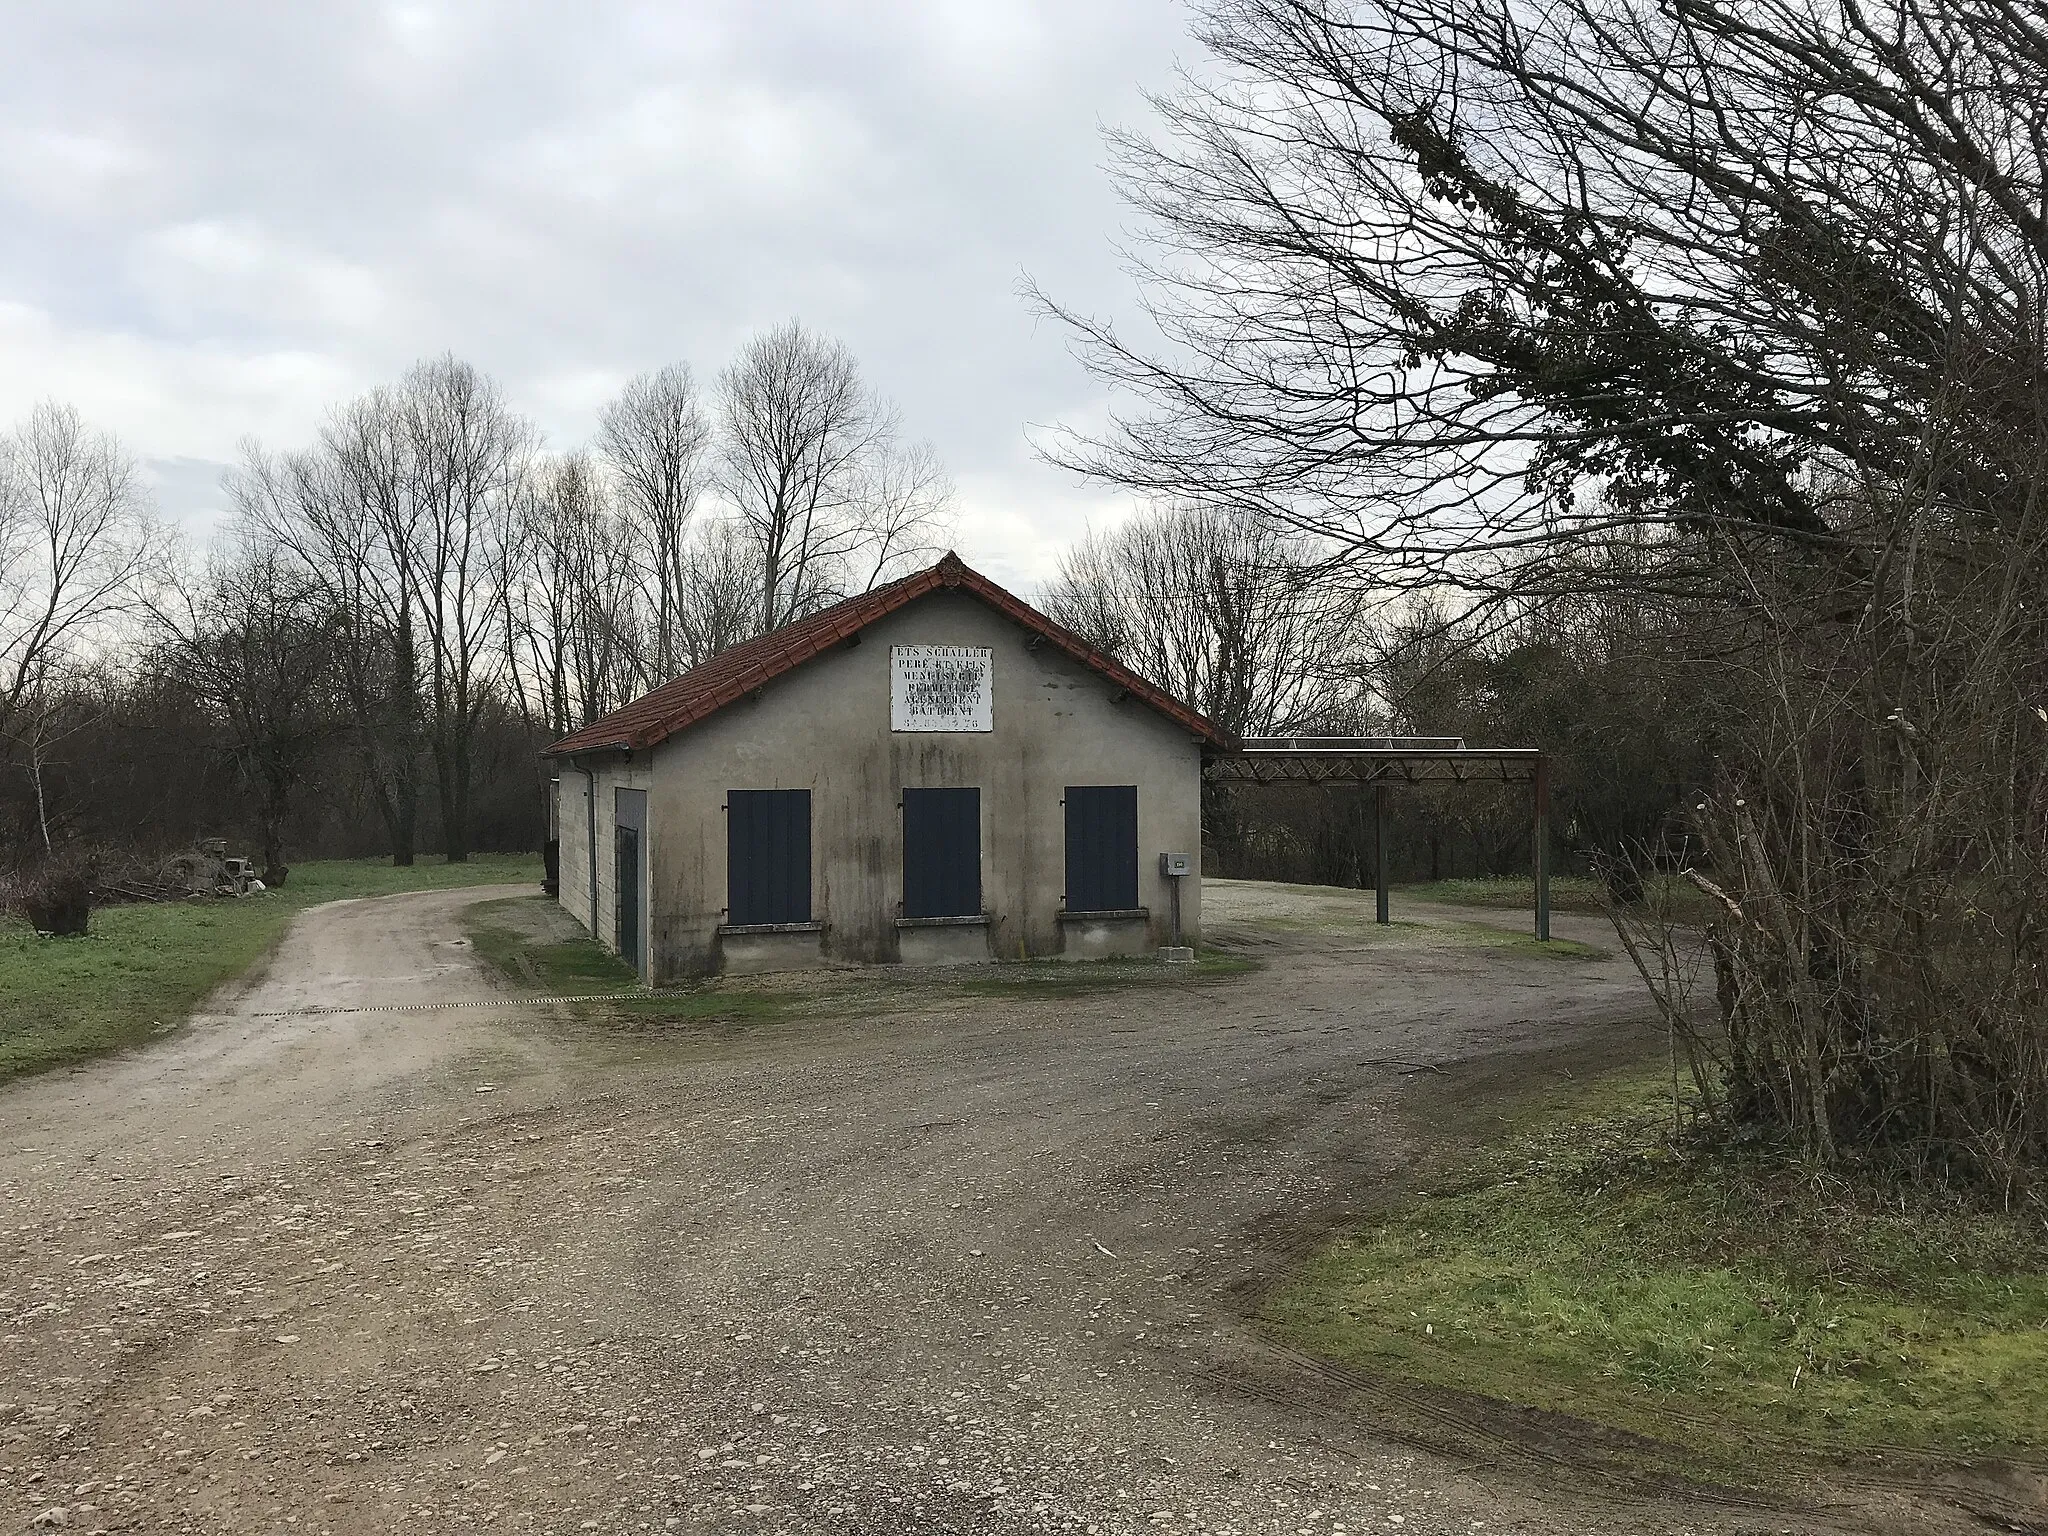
{"points": [[1379, 848], [1543, 848]]}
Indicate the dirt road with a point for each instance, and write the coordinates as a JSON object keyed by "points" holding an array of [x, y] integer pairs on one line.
{"points": [[923, 1260]]}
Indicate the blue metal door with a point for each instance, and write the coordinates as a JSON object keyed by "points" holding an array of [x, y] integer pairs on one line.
{"points": [[767, 856], [1102, 847], [941, 852], [628, 862], [629, 832]]}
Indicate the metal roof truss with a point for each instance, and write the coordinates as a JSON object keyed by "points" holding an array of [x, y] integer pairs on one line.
{"points": [[1385, 761], [1374, 765]]}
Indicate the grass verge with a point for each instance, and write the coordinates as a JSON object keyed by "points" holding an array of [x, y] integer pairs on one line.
{"points": [[1705, 1299], [144, 967], [509, 934], [1073, 978], [1568, 893], [1340, 911], [540, 950], [1676, 898]]}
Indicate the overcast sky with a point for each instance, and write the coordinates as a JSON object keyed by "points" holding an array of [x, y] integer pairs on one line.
{"points": [[218, 219]]}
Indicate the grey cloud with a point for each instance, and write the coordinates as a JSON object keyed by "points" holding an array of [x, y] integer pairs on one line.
{"points": [[259, 201], [188, 492]]}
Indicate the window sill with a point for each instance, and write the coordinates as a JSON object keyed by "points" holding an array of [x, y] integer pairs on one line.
{"points": [[969, 920], [1115, 915], [752, 928]]}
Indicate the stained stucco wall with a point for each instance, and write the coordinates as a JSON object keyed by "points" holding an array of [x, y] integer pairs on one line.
{"points": [[573, 834], [825, 728]]}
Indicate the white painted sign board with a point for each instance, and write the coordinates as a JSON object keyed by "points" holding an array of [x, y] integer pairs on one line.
{"points": [[941, 688]]}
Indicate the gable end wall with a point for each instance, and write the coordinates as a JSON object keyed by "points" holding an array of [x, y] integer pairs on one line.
{"points": [[825, 727]]}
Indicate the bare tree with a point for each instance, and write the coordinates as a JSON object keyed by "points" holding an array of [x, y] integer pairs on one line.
{"points": [[76, 542], [1241, 620], [575, 632], [1471, 287], [466, 454], [1432, 271], [342, 511], [1235, 617], [719, 604], [811, 462], [256, 642], [654, 438], [797, 422], [401, 513], [67, 701], [902, 512]]}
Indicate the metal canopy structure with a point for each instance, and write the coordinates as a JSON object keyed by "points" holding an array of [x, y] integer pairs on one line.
{"points": [[1382, 762]]}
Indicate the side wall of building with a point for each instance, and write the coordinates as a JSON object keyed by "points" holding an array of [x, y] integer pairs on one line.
{"points": [[607, 773], [825, 727]]}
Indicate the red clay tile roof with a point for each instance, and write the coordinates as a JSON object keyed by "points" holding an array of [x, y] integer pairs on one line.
{"points": [[732, 675]]}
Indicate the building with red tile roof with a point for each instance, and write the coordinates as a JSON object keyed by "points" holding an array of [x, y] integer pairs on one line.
{"points": [[930, 771]]}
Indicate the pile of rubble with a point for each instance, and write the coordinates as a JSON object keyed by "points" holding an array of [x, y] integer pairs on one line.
{"points": [[57, 894], [206, 870]]}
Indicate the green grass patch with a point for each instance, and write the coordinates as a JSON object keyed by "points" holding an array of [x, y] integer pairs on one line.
{"points": [[1222, 962], [542, 951], [1345, 915], [144, 967], [1699, 1297], [1568, 893], [1073, 978], [1674, 897], [1349, 918]]}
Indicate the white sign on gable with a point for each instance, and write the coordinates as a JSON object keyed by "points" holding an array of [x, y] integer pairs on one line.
{"points": [[941, 688]]}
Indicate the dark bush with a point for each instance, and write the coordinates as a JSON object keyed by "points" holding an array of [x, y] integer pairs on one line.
{"points": [[55, 895]]}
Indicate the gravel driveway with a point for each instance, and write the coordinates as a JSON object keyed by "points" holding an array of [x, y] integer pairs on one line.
{"points": [[931, 1261]]}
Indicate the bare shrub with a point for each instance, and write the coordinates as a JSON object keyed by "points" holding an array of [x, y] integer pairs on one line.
{"points": [[54, 894], [1878, 854]]}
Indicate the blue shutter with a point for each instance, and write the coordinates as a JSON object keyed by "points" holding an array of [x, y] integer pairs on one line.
{"points": [[768, 856], [1102, 847], [941, 852]]}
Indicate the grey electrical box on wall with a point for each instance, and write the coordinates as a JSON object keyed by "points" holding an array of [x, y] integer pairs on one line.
{"points": [[1174, 865]]}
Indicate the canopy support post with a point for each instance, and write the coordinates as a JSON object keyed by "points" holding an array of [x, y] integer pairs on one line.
{"points": [[1379, 850], [1543, 849]]}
